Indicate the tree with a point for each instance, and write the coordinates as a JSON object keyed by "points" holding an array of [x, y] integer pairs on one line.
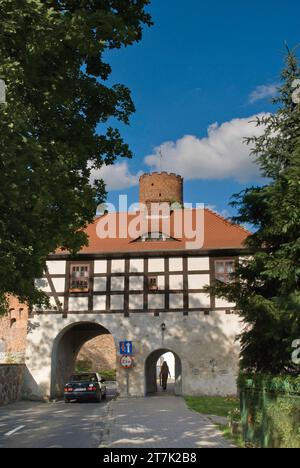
{"points": [[267, 286], [52, 60]]}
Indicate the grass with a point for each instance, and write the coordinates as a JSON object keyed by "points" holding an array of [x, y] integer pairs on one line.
{"points": [[218, 406], [236, 439], [81, 366]]}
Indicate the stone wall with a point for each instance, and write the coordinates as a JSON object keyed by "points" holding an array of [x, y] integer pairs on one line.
{"points": [[99, 353], [11, 381], [205, 345]]}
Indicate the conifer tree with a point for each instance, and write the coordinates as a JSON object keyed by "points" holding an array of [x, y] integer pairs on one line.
{"points": [[267, 286]]}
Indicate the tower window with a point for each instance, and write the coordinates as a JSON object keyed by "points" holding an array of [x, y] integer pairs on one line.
{"points": [[13, 322], [79, 280]]}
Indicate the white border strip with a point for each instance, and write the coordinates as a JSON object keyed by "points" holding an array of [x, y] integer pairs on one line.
{"points": [[13, 431]]}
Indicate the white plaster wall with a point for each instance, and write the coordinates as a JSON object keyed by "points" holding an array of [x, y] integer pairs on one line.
{"points": [[199, 300], [198, 281], [136, 301], [136, 283], [43, 285], [156, 265], [56, 267], [224, 303], [100, 284], [198, 263], [100, 266], [160, 282], [156, 301], [136, 265], [78, 303], [205, 344], [176, 264], [117, 302], [99, 302], [117, 283], [52, 303], [176, 281], [118, 266], [58, 283], [176, 301]]}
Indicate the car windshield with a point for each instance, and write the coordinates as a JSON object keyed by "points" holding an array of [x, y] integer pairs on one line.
{"points": [[84, 378]]}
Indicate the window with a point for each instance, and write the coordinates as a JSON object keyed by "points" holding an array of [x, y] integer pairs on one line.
{"points": [[80, 275], [224, 270], [154, 236], [13, 322], [153, 283]]}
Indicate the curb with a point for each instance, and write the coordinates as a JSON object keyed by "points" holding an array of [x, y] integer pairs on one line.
{"points": [[106, 427]]}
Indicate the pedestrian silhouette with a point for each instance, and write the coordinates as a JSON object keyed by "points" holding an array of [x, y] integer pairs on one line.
{"points": [[163, 375]]}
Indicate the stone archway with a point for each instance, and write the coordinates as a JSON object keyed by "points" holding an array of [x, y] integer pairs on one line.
{"points": [[66, 347], [151, 376]]}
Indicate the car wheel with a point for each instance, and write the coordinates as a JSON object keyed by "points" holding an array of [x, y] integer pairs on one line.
{"points": [[99, 398], [67, 401]]}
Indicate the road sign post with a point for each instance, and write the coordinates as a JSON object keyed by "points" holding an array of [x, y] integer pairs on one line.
{"points": [[127, 363], [126, 360], [126, 348]]}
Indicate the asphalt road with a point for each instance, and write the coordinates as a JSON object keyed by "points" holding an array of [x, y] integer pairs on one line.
{"points": [[52, 425]]}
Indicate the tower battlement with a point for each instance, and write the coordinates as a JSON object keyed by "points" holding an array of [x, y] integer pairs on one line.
{"points": [[161, 187]]}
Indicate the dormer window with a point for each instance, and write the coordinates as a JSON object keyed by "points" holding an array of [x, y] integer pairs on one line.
{"points": [[154, 237], [79, 277]]}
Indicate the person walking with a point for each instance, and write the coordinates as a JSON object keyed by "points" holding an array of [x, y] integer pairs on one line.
{"points": [[164, 374]]}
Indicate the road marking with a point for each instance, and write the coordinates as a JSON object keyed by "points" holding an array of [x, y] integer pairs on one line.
{"points": [[13, 431]]}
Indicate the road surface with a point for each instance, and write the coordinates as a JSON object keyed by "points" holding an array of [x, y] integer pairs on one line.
{"points": [[52, 425]]}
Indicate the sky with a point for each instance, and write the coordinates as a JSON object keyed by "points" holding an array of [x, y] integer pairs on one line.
{"points": [[198, 78]]}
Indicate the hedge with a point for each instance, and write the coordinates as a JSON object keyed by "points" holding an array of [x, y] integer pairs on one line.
{"points": [[270, 410]]}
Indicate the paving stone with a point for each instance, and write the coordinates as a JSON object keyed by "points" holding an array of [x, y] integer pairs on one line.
{"points": [[160, 422]]}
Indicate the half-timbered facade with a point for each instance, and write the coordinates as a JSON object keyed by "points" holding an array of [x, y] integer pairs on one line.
{"points": [[149, 289]]}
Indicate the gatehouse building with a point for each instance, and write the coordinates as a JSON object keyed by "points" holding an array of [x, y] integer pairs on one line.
{"points": [[149, 290]]}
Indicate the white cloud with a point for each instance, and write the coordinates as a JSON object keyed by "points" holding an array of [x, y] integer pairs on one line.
{"points": [[222, 154], [263, 92], [116, 176]]}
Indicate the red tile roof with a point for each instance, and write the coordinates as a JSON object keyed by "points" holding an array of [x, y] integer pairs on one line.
{"points": [[218, 234]]}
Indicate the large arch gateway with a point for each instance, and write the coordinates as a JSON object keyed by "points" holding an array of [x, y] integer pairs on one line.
{"points": [[66, 347]]}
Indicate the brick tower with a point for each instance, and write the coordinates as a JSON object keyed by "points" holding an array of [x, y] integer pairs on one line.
{"points": [[161, 187]]}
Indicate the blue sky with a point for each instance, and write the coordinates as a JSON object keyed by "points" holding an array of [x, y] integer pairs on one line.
{"points": [[197, 66]]}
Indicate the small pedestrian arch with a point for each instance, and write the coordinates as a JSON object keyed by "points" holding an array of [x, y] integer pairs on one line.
{"points": [[65, 350], [151, 371]]}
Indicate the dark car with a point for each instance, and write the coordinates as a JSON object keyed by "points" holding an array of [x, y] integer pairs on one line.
{"points": [[85, 386]]}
